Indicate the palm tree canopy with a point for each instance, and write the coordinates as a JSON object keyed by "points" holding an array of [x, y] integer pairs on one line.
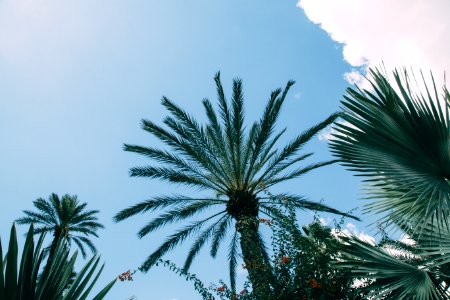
{"points": [[65, 218], [238, 163], [399, 140]]}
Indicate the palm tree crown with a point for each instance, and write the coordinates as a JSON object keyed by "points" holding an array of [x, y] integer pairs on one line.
{"points": [[235, 163], [65, 218]]}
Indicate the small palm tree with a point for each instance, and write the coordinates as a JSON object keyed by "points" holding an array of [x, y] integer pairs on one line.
{"points": [[398, 139], [235, 163], [64, 218]]}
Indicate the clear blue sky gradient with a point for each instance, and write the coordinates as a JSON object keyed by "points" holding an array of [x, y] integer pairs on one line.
{"points": [[71, 99]]}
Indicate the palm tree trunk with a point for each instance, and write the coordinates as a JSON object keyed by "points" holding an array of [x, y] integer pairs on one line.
{"points": [[254, 258]]}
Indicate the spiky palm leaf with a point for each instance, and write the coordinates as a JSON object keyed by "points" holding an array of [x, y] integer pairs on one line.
{"points": [[398, 140], [23, 283], [221, 156], [64, 218]]}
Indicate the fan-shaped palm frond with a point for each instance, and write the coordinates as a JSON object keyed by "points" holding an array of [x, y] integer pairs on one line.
{"points": [[64, 218], [235, 163], [399, 140], [417, 270], [390, 277]]}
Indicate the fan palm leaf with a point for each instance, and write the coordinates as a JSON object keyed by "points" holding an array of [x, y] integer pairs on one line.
{"points": [[392, 277], [399, 141]]}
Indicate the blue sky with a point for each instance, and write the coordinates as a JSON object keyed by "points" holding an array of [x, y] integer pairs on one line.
{"points": [[78, 76]]}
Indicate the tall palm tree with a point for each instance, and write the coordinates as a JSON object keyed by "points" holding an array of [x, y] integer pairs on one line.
{"points": [[65, 218], [398, 139], [235, 163]]}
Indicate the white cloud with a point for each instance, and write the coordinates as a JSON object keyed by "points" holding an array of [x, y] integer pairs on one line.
{"points": [[297, 96], [351, 230], [325, 222], [327, 133], [407, 239], [410, 33]]}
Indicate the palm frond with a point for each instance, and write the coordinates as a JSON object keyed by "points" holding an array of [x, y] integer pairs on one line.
{"points": [[157, 203], [33, 217], [393, 277], [229, 132], [83, 230], [219, 235], [294, 146], [295, 173], [174, 176], [302, 203], [173, 241], [177, 214], [89, 243], [237, 120], [265, 128], [398, 140], [89, 218], [232, 258], [267, 154], [201, 240], [91, 224], [44, 229], [46, 208], [170, 159], [216, 136], [80, 246]]}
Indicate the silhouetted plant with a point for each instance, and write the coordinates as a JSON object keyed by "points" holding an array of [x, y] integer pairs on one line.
{"points": [[24, 282], [66, 218]]}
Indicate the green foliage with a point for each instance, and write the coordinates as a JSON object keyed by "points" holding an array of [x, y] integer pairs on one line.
{"points": [[302, 266], [25, 282], [66, 219], [399, 140], [303, 263], [406, 275], [235, 161]]}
